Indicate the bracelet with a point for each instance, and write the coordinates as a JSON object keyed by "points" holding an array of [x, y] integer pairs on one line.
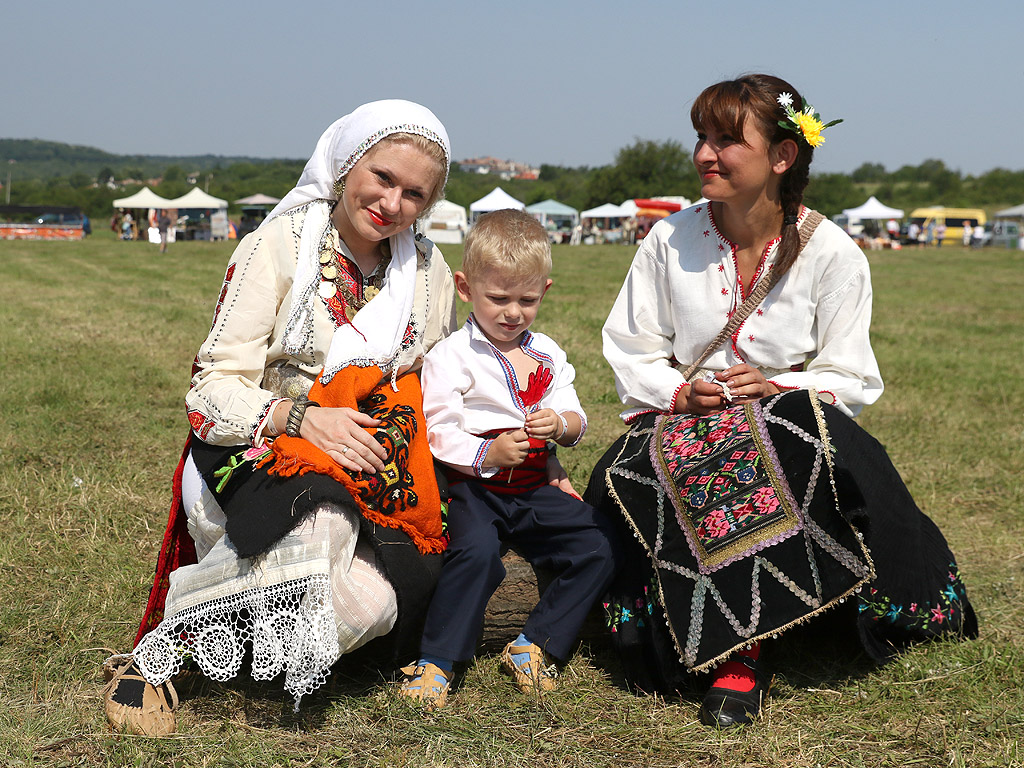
{"points": [[295, 415], [565, 428]]}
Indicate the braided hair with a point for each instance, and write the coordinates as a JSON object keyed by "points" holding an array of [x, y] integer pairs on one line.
{"points": [[725, 107]]}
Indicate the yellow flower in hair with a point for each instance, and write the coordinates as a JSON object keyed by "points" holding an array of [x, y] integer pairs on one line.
{"points": [[811, 128], [807, 122]]}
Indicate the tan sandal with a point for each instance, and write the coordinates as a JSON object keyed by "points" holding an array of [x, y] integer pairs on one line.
{"points": [[135, 706], [417, 685], [533, 675]]}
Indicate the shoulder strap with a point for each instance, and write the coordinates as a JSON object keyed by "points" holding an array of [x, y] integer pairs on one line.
{"points": [[806, 229]]}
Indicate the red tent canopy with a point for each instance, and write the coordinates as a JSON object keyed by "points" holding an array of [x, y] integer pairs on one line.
{"points": [[661, 205]]}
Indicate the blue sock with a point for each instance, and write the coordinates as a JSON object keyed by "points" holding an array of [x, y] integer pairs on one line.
{"points": [[521, 658], [446, 664]]}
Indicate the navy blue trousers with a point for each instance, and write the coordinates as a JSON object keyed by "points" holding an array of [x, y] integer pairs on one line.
{"points": [[550, 529]]}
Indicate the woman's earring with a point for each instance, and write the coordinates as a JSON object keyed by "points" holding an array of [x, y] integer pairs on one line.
{"points": [[339, 187]]}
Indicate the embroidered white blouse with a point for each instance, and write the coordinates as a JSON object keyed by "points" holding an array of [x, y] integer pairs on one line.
{"points": [[683, 286], [470, 388], [227, 404]]}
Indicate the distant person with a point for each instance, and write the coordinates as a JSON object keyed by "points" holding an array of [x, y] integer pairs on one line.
{"points": [[163, 226], [968, 233], [126, 226], [929, 233], [497, 396], [86, 225], [749, 498], [978, 235], [913, 233], [892, 227], [940, 233]]}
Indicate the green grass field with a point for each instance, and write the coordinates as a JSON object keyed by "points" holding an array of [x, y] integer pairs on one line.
{"points": [[97, 341]]}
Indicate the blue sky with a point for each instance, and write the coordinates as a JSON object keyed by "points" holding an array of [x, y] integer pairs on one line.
{"points": [[567, 83]]}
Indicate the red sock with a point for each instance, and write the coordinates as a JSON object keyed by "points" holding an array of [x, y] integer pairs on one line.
{"points": [[734, 676]]}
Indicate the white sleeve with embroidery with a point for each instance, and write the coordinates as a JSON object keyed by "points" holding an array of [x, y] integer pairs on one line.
{"points": [[225, 404], [638, 334]]}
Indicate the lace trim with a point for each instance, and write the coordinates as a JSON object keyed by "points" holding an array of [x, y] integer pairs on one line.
{"points": [[290, 628]]}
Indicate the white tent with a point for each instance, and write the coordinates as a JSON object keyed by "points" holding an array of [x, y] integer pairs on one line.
{"points": [[446, 223], [144, 198], [1017, 212], [258, 199], [606, 211], [495, 200], [873, 209], [196, 198]]}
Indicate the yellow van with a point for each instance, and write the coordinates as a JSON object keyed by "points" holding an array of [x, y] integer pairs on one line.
{"points": [[953, 218]]}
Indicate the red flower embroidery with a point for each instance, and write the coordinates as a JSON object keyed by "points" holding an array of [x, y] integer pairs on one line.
{"points": [[697, 209], [707, 233], [725, 292], [536, 385], [760, 312], [721, 248], [721, 267], [751, 337]]}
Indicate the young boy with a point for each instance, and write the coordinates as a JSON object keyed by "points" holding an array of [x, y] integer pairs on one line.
{"points": [[494, 394]]}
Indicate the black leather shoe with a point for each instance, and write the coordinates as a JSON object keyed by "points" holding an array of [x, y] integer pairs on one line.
{"points": [[723, 708]]}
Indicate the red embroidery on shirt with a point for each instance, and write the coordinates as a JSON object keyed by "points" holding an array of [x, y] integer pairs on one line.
{"points": [[751, 337], [223, 292], [201, 425], [707, 233], [725, 292], [698, 209], [760, 311]]}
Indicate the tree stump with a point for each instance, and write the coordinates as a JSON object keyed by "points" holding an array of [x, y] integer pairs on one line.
{"points": [[513, 600]]}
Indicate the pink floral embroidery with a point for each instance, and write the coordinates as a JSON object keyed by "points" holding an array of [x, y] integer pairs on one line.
{"points": [[715, 524]]}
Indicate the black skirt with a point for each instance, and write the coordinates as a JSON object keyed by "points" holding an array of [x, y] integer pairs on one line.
{"points": [[742, 524]]}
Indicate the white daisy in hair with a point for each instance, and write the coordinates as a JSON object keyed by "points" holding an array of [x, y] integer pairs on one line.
{"points": [[786, 99]]}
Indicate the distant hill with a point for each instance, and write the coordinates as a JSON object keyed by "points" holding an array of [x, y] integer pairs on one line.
{"points": [[36, 159]]}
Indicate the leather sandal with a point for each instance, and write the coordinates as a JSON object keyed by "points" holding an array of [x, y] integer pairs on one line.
{"points": [[135, 706], [425, 683], [532, 675], [726, 708]]}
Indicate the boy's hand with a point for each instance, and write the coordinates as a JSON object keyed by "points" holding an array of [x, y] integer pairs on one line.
{"points": [[509, 449], [543, 424]]}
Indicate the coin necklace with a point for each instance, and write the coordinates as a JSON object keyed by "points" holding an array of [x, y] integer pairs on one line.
{"points": [[342, 290]]}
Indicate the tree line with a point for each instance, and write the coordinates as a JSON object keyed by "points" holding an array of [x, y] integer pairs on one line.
{"points": [[49, 173]]}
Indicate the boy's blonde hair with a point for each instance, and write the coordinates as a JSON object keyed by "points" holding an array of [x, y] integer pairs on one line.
{"points": [[510, 241]]}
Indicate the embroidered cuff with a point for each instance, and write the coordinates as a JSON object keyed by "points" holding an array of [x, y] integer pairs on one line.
{"points": [[675, 396], [478, 462]]}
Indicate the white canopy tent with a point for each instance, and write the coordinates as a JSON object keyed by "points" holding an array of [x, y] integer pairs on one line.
{"points": [[495, 200], [1017, 212], [196, 198], [606, 211], [258, 199], [873, 209], [144, 198], [446, 223]]}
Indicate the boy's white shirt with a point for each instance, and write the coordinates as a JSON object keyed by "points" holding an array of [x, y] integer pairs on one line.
{"points": [[470, 388]]}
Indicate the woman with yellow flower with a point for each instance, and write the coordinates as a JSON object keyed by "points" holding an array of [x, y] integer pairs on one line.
{"points": [[740, 345]]}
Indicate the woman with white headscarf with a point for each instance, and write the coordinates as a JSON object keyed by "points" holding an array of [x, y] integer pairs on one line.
{"points": [[306, 520]]}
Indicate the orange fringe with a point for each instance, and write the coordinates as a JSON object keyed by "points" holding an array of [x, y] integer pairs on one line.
{"points": [[350, 387]]}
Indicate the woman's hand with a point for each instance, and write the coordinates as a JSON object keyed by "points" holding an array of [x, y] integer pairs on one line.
{"points": [[342, 434], [544, 425], [746, 383], [508, 449], [701, 398]]}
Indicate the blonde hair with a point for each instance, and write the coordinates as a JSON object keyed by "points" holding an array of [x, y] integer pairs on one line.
{"points": [[510, 241]]}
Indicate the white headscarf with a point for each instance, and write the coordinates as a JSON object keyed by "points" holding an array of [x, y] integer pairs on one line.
{"points": [[374, 337]]}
